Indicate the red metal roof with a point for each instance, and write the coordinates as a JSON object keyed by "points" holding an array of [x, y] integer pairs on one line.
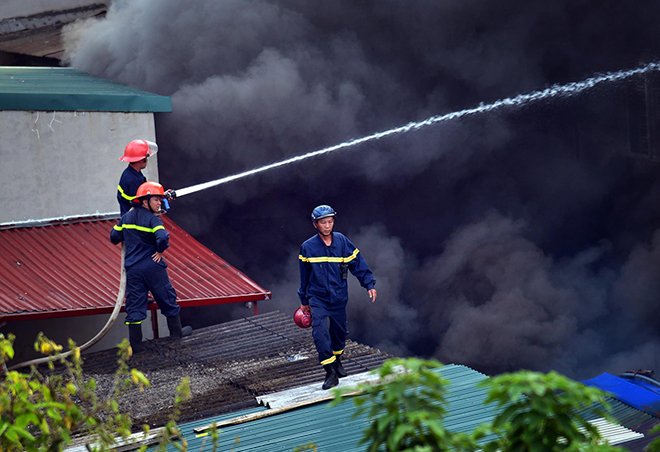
{"points": [[70, 269]]}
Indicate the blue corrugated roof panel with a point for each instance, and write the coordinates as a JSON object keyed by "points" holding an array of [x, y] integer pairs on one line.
{"points": [[68, 89], [628, 392]]}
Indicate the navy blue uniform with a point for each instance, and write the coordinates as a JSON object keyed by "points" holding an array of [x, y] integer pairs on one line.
{"points": [[323, 286], [144, 234], [128, 186]]}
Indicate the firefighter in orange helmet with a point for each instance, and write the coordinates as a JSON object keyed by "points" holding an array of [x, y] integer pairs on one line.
{"points": [[136, 154], [146, 271]]}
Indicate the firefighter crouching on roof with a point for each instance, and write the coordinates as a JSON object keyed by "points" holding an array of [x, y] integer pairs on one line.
{"points": [[324, 263], [146, 240], [136, 154]]}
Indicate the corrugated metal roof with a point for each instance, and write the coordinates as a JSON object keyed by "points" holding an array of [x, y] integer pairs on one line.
{"points": [[231, 366], [615, 434], [68, 89], [643, 395], [630, 409], [334, 430], [263, 358], [631, 417], [41, 34], [69, 269]]}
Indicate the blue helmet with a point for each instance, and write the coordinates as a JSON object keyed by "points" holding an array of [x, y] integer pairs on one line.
{"points": [[322, 211]]}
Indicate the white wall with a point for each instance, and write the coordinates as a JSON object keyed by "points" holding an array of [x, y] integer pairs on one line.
{"points": [[60, 164]]}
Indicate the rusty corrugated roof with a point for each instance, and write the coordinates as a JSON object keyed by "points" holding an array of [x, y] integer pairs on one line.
{"points": [[230, 365], [71, 268], [236, 366], [40, 34]]}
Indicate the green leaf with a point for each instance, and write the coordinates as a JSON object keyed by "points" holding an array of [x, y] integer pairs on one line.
{"points": [[54, 414], [23, 420], [400, 431], [11, 434], [24, 433]]}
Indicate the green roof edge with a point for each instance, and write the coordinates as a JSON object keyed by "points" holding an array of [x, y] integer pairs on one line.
{"points": [[85, 102], [69, 89]]}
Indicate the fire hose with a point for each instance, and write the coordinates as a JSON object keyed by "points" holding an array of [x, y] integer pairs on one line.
{"points": [[568, 89], [101, 333], [115, 312]]}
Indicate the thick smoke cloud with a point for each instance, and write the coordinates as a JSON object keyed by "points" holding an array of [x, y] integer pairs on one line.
{"points": [[505, 302], [524, 238]]}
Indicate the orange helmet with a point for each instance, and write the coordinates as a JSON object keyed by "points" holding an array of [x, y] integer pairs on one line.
{"points": [[136, 150], [302, 319], [148, 189]]}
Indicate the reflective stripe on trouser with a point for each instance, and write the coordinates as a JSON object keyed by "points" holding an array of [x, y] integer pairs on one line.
{"points": [[329, 330], [142, 278]]}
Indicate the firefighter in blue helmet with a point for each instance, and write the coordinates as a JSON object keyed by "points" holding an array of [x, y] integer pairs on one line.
{"points": [[136, 154], [146, 271], [325, 260]]}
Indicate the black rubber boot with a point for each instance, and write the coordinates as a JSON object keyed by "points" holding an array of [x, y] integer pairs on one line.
{"points": [[331, 378], [135, 337], [341, 372], [176, 331]]}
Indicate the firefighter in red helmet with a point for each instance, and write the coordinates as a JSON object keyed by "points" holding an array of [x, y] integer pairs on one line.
{"points": [[146, 271], [324, 261], [136, 154]]}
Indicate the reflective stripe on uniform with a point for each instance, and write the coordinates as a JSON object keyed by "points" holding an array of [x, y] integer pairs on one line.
{"points": [[124, 195], [330, 360], [136, 227], [316, 260], [134, 323], [339, 352]]}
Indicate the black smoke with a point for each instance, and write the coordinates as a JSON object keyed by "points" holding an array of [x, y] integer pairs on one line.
{"points": [[522, 238]]}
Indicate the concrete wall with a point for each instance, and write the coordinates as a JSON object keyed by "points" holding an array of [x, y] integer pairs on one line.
{"points": [[59, 164]]}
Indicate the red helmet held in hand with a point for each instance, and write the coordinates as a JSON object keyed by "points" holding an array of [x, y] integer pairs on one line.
{"points": [[302, 319]]}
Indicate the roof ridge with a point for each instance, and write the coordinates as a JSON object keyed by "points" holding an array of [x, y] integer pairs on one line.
{"points": [[67, 219]]}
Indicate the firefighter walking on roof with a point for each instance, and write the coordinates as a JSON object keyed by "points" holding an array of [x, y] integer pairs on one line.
{"points": [[325, 260], [146, 271]]}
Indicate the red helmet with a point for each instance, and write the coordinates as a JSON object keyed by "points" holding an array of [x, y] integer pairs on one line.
{"points": [[302, 318], [136, 150], [148, 189]]}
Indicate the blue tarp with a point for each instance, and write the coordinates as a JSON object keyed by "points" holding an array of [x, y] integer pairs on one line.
{"points": [[628, 392]]}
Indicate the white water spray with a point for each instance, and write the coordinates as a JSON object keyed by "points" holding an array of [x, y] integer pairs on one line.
{"points": [[554, 91]]}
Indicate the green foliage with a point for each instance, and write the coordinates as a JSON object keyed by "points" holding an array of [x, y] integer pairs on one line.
{"points": [[214, 434], [655, 444], [536, 412], [406, 408], [171, 433], [40, 412], [542, 412]]}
